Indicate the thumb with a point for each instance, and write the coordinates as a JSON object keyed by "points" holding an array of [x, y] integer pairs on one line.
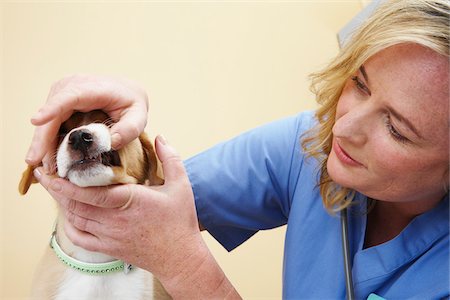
{"points": [[125, 131], [172, 164]]}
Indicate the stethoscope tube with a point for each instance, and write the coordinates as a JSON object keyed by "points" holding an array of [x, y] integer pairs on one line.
{"points": [[346, 254]]}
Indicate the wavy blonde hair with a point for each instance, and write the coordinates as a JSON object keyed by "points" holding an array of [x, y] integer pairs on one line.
{"points": [[422, 22]]}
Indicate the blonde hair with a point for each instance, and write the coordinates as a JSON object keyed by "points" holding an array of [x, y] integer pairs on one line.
{"points": [[401, 21]]}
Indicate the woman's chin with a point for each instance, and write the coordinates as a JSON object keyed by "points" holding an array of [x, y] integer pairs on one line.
{"points": [[341, 175]]}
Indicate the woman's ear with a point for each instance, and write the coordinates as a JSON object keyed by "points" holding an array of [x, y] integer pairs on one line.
{"points": [[152, 169], [27, 179]]}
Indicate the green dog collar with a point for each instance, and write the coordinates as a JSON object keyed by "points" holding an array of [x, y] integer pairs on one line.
{"points": [[88, 268]]}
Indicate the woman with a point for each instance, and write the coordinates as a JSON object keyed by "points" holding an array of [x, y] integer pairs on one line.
{"points": [[378, 146]]}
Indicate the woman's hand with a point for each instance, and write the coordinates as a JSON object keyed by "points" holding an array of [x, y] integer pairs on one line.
{"points": [[154, 228], [123, 100]]}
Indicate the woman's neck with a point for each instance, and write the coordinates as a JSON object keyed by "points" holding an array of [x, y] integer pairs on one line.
{"points": [[387, 219]]}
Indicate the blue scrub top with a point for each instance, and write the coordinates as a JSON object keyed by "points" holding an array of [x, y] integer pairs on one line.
{"points": [[262, 179]]}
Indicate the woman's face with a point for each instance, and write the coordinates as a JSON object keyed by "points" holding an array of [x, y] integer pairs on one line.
{"points": [[391, 136]]}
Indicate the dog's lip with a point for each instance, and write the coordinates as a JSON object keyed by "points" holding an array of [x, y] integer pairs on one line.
{"points": [[85, 162], [107, 158]]}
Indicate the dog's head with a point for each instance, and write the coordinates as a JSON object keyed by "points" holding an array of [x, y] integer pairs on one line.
{"points": [[84, 155]]}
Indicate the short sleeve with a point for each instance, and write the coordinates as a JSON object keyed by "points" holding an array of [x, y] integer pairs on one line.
{"points": [[242, 185]]}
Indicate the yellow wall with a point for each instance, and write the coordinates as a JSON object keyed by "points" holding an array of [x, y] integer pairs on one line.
{"points": [[212, 70]]}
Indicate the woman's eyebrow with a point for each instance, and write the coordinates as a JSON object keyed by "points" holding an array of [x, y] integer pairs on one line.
{"points": [[405, 121]]}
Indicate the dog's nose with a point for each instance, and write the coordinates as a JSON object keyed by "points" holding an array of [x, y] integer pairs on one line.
{"points": [[81, 140]]}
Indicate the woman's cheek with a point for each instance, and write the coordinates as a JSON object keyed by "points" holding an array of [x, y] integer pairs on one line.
{"points": [[387, 161]]}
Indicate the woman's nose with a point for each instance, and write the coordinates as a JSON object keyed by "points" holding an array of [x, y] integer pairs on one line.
{"points": [[352, 126]]}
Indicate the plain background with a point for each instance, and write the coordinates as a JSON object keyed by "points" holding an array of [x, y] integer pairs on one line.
{"points": [[212, 70]]}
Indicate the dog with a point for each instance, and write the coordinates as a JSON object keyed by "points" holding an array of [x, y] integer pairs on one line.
{"points": [[85, 157]]}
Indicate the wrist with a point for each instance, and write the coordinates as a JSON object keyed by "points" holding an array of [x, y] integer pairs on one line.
{"points": [[197, 275]]}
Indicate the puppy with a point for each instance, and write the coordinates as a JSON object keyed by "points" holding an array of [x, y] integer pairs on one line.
{"points": [[84, 156]]}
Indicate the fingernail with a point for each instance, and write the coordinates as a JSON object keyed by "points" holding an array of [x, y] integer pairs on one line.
{"points": [[56, 187], [37, 174], [116, 140]]}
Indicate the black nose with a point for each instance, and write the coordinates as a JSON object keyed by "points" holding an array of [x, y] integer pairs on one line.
{"points": [[80, 140]]}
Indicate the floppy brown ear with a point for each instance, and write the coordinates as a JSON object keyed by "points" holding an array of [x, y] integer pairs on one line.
{"points": [[27, 179], [153, 177]]}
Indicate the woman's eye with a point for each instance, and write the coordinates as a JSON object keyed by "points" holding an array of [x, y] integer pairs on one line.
{"points": [[360, 85], [394, 132]]}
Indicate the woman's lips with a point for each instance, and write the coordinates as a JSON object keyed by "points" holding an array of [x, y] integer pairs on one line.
{"points": [[344, 157]]}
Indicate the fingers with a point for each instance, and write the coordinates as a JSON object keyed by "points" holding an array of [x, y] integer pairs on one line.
{"points": [[129, 127], [43, 142], [106, 197], [75, 209], [82, 238], [172, 164], [85, 223], [124, 101], [80, 96], [86, 93], [49, 160]]}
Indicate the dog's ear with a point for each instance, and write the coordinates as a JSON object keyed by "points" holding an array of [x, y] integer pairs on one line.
{"points": [[27, 179], [152, 169]]}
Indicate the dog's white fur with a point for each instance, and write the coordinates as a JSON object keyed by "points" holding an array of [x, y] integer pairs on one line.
{"points": [[53, 279], [115, 286], [99, 175], [79, 286]]}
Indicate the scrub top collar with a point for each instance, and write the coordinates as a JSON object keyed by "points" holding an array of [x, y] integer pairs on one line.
{"points": [[414, 240]]}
